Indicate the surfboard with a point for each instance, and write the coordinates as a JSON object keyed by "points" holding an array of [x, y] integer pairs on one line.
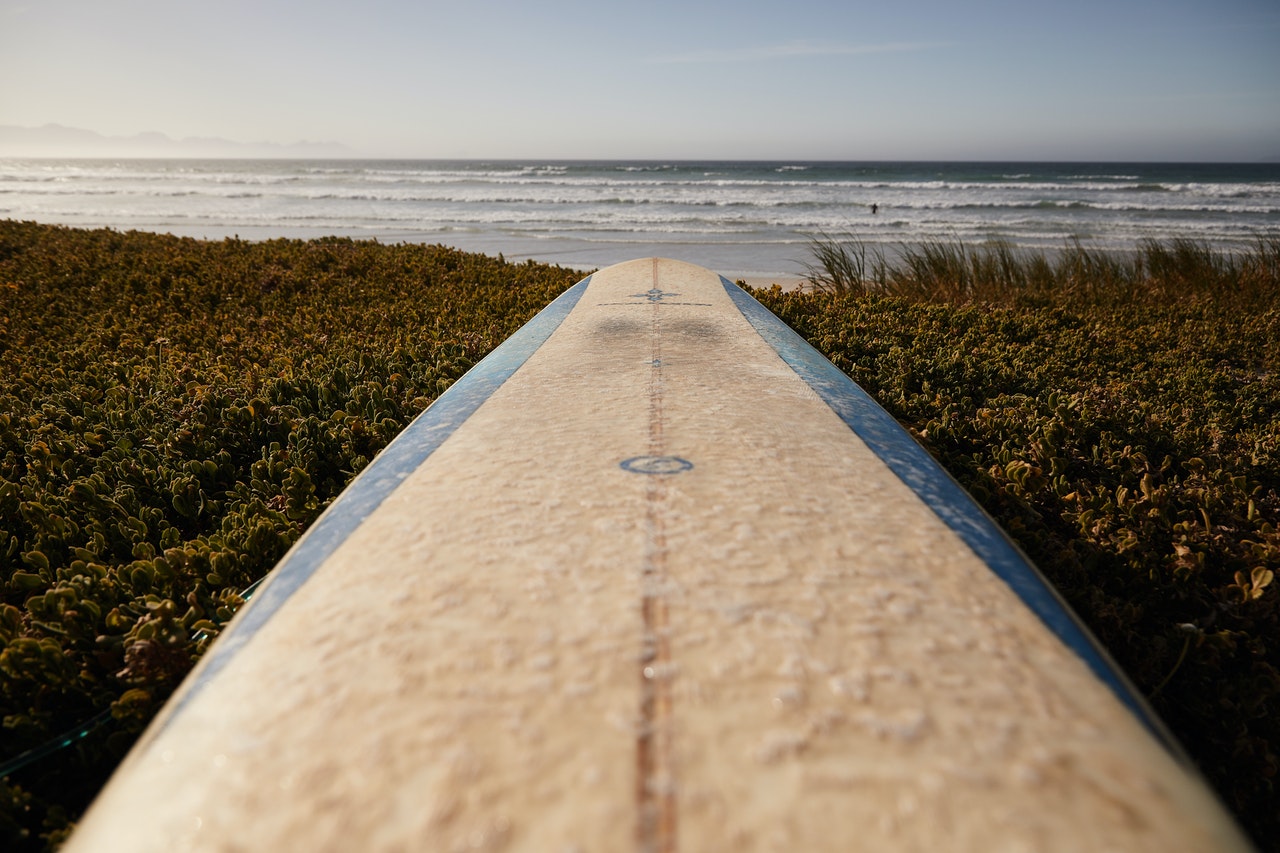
{"points": [[655, 575]]}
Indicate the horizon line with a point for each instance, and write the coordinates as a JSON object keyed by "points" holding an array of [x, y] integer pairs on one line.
{"points": [[1266, 161]]}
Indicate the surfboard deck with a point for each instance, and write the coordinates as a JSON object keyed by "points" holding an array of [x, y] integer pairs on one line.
{"points": [[653, 576]]}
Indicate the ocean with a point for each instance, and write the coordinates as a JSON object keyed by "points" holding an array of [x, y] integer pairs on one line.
{"points": [[742, 219]]}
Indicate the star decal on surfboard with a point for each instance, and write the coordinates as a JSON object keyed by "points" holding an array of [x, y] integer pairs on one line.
{"points": [[655, 296]]}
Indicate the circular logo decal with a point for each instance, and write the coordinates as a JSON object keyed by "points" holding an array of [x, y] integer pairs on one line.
{"points": [[656, 465]]}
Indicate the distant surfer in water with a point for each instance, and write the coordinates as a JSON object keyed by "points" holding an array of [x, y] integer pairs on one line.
{"points": [[874, 208]]}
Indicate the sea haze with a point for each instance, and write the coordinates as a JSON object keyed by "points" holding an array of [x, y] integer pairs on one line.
{"points": [[748, 219]]}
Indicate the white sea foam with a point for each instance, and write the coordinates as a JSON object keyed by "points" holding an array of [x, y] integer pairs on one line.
{"points": [[735, 216]]}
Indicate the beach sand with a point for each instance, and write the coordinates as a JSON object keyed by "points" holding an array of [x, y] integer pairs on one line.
{"points": [[784, 281]]}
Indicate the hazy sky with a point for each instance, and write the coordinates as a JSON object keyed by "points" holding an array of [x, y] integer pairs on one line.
{"points": [[818, 79]]}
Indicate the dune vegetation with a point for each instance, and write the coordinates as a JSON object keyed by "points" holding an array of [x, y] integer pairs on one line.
{"points": [[174, 413]]}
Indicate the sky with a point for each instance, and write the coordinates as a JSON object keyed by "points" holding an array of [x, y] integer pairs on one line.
{"points": [[1144, 80]]}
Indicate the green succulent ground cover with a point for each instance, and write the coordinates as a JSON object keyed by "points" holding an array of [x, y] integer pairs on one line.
{"points": [[173, 413]]}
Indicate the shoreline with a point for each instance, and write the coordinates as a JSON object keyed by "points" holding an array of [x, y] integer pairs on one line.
{"points": [[583, 258], [578, 255], [748, 220]]}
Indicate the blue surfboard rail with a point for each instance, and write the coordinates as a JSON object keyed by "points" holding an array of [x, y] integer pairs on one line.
{"points": [[385, 473], [888, 440]]}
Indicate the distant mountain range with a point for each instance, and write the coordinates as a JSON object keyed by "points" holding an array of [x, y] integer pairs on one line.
{"points": [[55, 140]]}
